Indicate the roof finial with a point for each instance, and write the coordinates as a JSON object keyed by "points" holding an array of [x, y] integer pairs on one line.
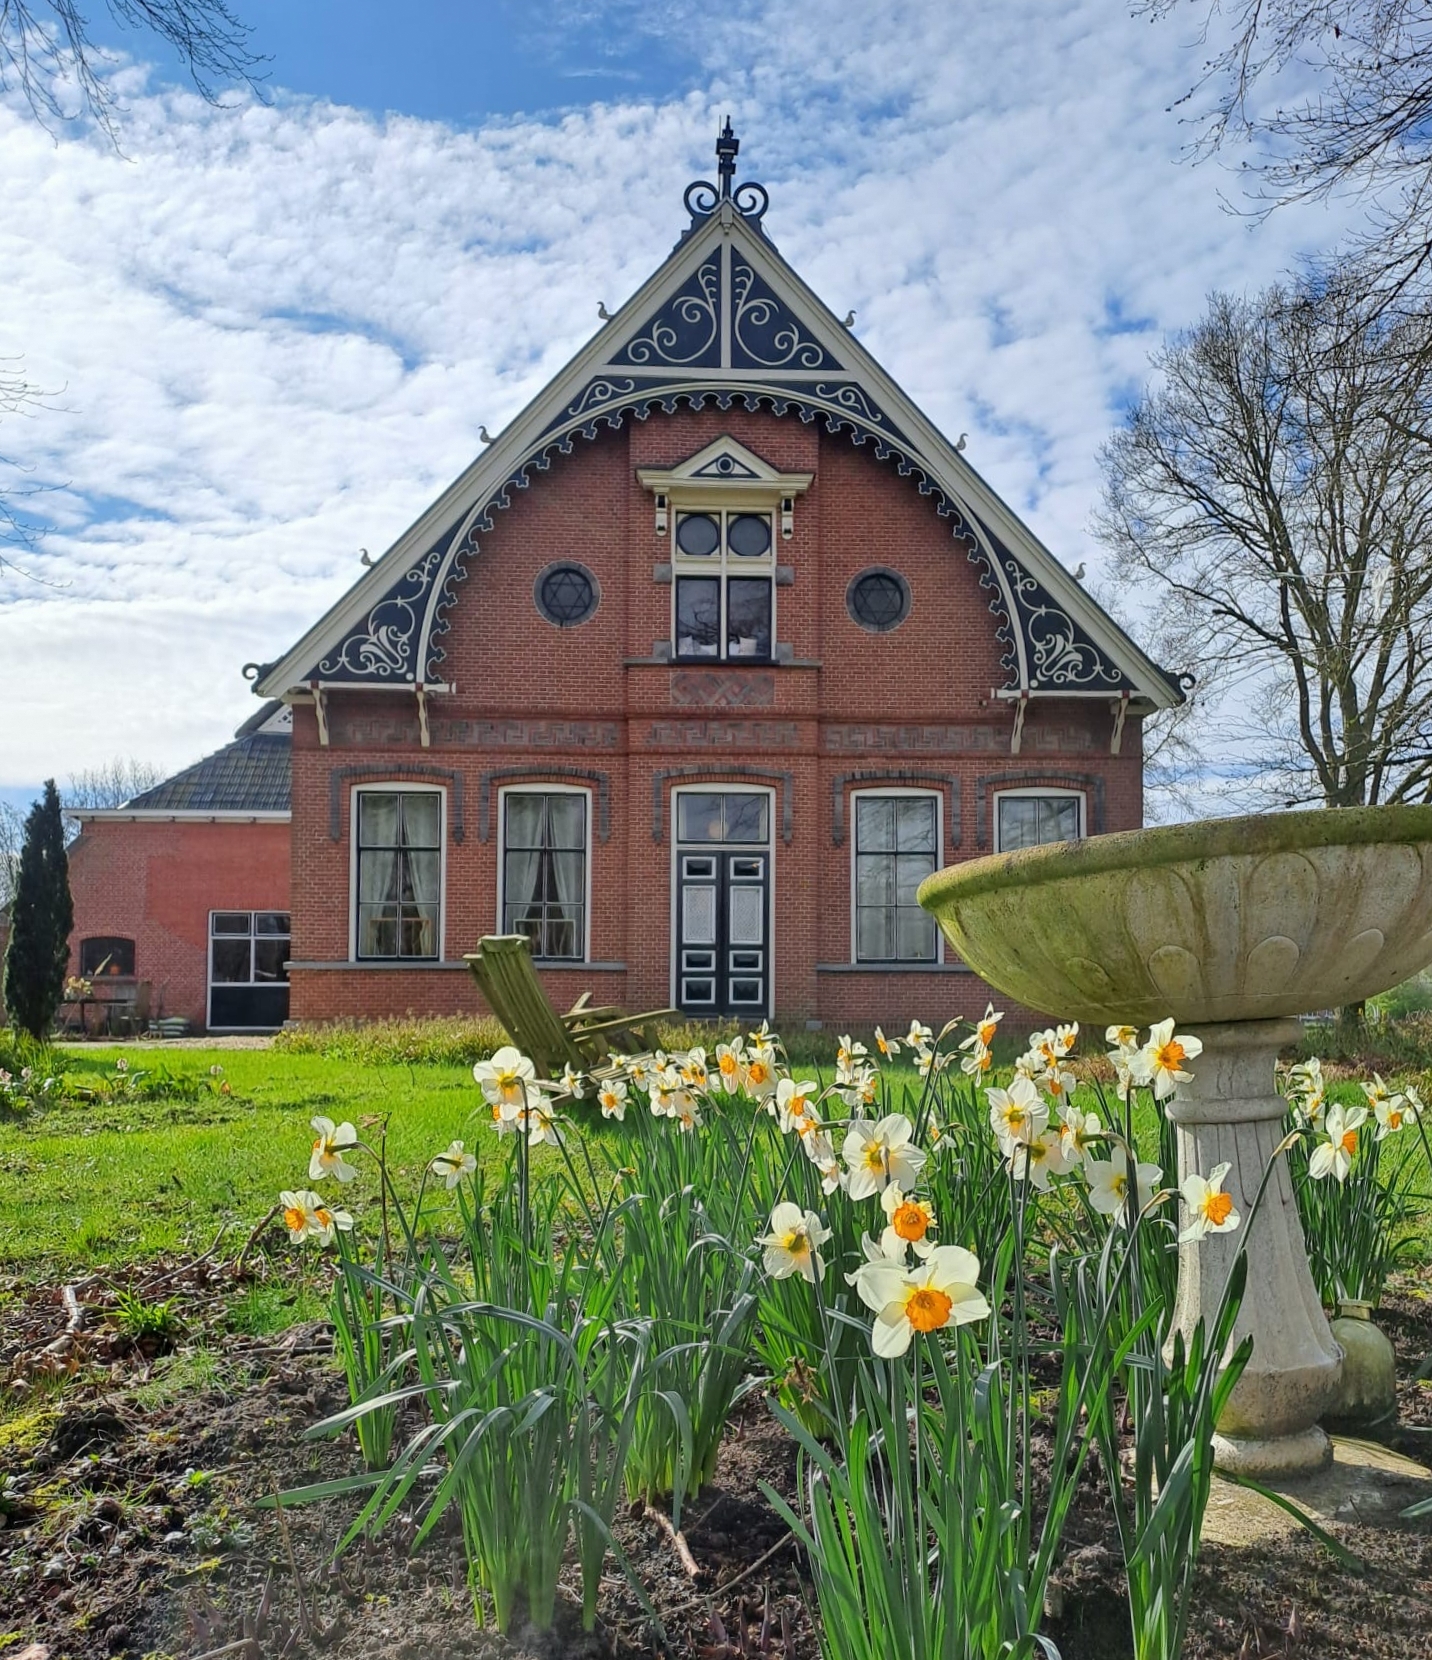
{"points": [[727, 147], [749, 199]]}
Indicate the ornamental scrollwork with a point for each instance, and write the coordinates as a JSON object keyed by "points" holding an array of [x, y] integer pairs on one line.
{"points": [[687, 329], [850, 396], [600, 391], [764, 334], [1060, 654], [383, 647]]}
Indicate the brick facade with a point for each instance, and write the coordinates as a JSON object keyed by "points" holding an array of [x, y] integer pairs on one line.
{"points": [[912, 708], [156, 881]]}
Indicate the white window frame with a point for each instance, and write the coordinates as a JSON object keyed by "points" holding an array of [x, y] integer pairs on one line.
{"points": [[396, 786], [538, 788], [726, 786], [877, 964], [210, 983], [721, 566], [1044, 793]]}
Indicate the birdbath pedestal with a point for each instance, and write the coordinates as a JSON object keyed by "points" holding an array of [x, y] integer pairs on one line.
{"points": [[1233, 927]]}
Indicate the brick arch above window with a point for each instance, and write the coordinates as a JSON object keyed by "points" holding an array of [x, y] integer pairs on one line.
{"points": [[1089, 782], [399, 774], [875, 776], [721, 776], [601, 781]]}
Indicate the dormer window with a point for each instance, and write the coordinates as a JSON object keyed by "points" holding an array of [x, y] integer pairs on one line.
{"points": [[725, 510], [724, 570]]}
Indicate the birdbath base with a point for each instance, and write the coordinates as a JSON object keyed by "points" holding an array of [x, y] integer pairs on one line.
{"points": [[1231, 1114]]}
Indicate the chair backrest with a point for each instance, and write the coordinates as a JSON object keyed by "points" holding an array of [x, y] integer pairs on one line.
{"points": [[502, 967]]}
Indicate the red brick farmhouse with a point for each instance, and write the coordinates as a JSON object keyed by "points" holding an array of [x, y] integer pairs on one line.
{"points": [[713, 654]]}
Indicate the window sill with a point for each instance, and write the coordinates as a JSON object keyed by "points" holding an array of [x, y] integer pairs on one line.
{"points": [[722, 662], [428, 964], [893, 968]]}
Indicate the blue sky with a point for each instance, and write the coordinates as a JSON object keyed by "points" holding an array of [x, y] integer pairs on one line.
{"points": [[270, 330]]}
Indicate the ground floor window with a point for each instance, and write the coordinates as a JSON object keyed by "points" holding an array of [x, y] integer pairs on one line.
{"points": [[103, 956], [248, 969], [1030, 818], [544, 871], [896, 846], [399, 842]]}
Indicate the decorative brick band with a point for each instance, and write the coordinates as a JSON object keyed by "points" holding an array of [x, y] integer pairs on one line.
{"points": [[661, 778], [891, 775], [397, 775], [1088, 781], [503, 775]]}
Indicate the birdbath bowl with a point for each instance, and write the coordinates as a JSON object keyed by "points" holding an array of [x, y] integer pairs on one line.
{"points": [[1233, 927]]}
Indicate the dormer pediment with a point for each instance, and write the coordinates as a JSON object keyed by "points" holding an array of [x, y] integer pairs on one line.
{"points": [[728, 469]]}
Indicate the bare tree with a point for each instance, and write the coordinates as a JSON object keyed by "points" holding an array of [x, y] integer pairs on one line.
{"points": [[112, 784], [12, 837], [48, 53], [1366, 124], [1275, 488]]}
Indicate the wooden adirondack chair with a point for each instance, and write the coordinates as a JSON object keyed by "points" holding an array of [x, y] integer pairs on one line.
{"points": [[581, 1038]]}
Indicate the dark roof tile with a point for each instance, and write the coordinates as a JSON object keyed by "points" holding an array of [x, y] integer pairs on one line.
{"points": [[250, 775]]}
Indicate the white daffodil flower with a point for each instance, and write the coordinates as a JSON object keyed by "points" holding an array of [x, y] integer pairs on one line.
{"points": [[758, 1076], [730, 1064], [611, 1098], [938, 1292], [889, 1047], [878, 1154], [453, 1165], [977, 1062], [504, 1119], [540, 1122], [794, 1102], [911, 1220], [1038, 1160], [1333, 1156], [307, 1217], [1210, 1209], [1077, 1130], [1391, 1110], [861, 1089], [328, 1150], [791, 1245], [573, 1083], [919, 1035], [820, 1150], [1017, 1113], [1160, 1061], [882, 1252], [505, 1079], [687, 1113], [693, 1069], [847, 1054], [1109, 1184], [985, 1029]]}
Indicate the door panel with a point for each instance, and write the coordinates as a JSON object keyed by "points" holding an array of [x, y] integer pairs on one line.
{"points": [[723, 950]]}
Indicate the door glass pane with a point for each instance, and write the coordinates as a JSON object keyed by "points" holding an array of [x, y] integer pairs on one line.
{"points": [[231, 922], [269, 957], [698, 916], [748, 617], [698, 616], [422, 819], [230, 959], [698, 818], [915, 824], [748, 535], [377, 819], [874, 823], [746, 818], [748, 916]]}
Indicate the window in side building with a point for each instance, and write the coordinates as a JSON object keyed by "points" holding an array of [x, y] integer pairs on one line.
{"points": [[399, 873], [1030, 818], [896, 846], [248, 970], [724, 570], [106, 955], [544, 871]]}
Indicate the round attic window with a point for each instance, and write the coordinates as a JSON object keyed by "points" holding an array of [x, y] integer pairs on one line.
{"points": [[566, 594], [878, 600]]}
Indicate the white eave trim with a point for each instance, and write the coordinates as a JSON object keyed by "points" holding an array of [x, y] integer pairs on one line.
{"points": [[172, 815]]}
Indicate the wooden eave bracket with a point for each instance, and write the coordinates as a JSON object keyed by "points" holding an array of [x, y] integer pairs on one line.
{"points": [[1120, 710], [320, 710], [1017, 736], [423, 733]]}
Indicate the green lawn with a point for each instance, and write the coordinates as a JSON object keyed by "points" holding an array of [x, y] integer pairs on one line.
{"points": [[123, 1179]]}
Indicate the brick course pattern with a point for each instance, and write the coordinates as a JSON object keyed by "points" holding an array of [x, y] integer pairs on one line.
{"points": [[567, 704]]}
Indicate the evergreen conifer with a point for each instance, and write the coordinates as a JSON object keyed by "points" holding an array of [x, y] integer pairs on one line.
{"points": [[42, 915]]}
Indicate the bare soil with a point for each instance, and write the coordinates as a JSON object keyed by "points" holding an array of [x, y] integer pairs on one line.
{"points": [[129, 1479]]}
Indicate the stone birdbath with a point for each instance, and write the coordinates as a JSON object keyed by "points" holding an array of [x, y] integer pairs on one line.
{"points": [[1233, 927]]}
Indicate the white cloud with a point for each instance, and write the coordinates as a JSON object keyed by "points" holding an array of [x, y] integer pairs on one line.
{"points": [[277, 329]]}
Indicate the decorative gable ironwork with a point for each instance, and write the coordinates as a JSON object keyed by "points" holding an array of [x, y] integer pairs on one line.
{"points": [[725, 324]]}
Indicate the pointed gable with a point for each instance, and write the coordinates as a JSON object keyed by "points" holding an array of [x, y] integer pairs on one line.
{"points": [[724, 321]]}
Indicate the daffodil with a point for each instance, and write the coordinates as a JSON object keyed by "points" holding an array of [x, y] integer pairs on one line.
{"points": [[794, 1102], [977, 1062], [1333, 1156], [910, 1222], [1077, 1130], [1210, 1209], [940, 1291], [878, 1154], [847, 1054], [791, 1245], [985, 1029], [328, 1150], [1017, 1113], [919, 1035], [1160, 1061], [540, 1122], [687, 1113], [889, 1047], [693, 1069], [1109, 1184], [307, 1217], [820, 1150], [1391, 1111], [453, 1165], [572, 1083], [505, 1079], [1039, 1159], [611, 1098], [730, 1064], [758, 1078]]}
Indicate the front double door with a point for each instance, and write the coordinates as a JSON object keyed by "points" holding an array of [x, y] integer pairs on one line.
{"points": [[723, 894]]}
